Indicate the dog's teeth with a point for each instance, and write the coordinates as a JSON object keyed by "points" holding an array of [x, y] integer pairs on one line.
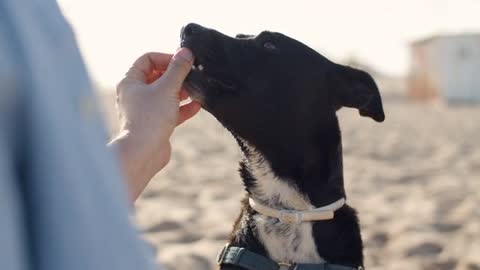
{"points": [[200, 67], [194, 67]]}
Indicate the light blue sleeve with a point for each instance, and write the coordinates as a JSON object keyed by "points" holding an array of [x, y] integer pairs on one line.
{"points": [[63, 204]]}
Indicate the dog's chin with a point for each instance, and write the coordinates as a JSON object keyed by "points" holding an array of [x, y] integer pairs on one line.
{"points": [[194, 85], [195, 92], [201, 87]]}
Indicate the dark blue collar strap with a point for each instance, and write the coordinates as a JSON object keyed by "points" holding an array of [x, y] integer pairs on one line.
{"points": [[323, 266], [238, 256], [246, 259]]}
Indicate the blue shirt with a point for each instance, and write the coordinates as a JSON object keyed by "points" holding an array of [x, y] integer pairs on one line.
{"points": [[63, 203]]}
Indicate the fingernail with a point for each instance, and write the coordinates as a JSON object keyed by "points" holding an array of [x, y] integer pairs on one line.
{"points": [[185, 54]]}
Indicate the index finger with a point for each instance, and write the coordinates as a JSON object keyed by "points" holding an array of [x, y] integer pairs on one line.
{"points": [[147, 63]]}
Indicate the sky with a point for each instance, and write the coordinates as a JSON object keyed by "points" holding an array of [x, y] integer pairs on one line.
{"points": [[113, 33]]}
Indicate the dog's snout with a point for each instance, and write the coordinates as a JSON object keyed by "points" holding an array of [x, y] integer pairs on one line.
{"points": [[191, 29]]}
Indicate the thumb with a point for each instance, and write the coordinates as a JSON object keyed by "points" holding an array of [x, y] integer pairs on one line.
{"points": [[177, 70]]}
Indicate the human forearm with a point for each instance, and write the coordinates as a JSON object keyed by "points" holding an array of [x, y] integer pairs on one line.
{"points": [[139, 164]]}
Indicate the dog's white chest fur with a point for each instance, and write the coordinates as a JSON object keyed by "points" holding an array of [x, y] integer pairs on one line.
{"points": [[284, 242]]}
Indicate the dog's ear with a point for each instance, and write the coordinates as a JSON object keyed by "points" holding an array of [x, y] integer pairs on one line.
{"points": [[244, 36], [350, 87]]}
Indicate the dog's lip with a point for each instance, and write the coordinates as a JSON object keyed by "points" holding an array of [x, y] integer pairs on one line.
{"points": [[195, 92], [201, 68], [197, 66], [186, 42], [196, 60]]}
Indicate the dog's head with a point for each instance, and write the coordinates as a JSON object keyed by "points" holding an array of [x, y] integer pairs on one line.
{"points": [[270, 89]]}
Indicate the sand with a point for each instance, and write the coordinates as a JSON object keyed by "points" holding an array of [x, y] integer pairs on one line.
{"points": [[414, 179]]}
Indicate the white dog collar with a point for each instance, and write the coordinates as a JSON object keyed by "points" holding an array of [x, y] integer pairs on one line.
{"points": [[296, 217]]}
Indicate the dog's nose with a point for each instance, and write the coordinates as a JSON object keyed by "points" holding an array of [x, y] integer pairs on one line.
{"points": [[191, 29]]}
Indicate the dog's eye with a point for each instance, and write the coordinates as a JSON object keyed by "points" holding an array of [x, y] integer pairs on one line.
{"points": [[269, 45]]}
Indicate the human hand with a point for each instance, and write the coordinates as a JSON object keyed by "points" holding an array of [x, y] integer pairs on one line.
{"points": [[148, 104]]}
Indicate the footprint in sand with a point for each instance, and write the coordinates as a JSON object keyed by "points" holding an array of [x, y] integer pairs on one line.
{"points": [[448, 264], [379, 240], [473, 266], [151, 193], [191, 261], [185, 237], [426, 249], [222, 236], [446, 227], [164, 226]]}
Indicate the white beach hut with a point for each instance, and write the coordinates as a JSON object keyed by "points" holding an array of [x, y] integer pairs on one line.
{"points": [[446, 67]]}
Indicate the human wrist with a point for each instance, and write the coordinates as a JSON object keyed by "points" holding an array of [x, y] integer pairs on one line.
{"points": [[139, 161]]}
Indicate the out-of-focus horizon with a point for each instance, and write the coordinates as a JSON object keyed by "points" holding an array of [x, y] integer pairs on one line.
{"points": [[111, 34]]}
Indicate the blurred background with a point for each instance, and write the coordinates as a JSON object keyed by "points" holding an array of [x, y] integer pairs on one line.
{"points": [[415, 179]]}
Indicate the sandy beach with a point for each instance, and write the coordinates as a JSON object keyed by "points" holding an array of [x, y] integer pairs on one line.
{"points": [[414, 179]]}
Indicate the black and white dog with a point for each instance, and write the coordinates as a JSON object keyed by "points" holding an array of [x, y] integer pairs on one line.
{"points": [[279, 98]]}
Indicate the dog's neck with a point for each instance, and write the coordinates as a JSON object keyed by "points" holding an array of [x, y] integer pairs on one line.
{"points": [[313, 170], [266, 186], [316, 182]]}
